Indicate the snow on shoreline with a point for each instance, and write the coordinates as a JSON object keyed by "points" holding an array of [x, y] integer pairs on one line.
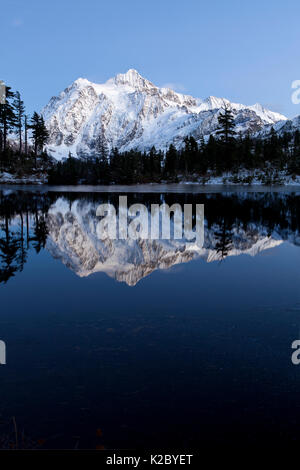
{"points": [[243, 178], [8, 178], [230, 180]]}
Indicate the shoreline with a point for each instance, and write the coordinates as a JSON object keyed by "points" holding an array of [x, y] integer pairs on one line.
{"points": [[151, 188], [242, 179]]}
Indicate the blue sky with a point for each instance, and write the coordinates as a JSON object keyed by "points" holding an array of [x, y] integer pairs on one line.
{"points": [[245, 51]]}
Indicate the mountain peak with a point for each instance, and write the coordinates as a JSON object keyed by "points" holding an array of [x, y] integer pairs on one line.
{"points": [[133, 79], [214, 102], [128, 111], [81, 82]]}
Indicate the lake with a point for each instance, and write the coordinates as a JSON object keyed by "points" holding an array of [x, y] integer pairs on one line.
{"points": [[148, 343]]}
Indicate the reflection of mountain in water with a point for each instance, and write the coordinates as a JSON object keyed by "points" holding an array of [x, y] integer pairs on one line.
{"points": [[73, 239], [22, 228], [66, 223]]}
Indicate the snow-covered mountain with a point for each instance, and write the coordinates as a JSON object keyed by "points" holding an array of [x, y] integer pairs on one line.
{"points": [[73, 240], [128, 111], [288, 126]]}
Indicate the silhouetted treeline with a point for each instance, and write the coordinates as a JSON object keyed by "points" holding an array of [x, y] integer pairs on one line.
{"points": [[226, 152], [22, 139], [214, 157]]}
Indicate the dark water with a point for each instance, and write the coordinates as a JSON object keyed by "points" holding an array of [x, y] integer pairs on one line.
{"points": [[140, 346]]}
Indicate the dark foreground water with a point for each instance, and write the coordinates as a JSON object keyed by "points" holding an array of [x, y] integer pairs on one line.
{"points": [[146, 344]]}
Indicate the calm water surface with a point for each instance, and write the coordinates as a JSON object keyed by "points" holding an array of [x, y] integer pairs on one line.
{"points": [[141, 344]]}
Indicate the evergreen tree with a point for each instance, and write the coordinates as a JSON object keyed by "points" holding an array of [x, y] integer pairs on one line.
{"points": [[226, 124], [19, 112], [43, 134], [294, 161], [226, 156], [8, 118], [26, 127], [190, 154], [40, 133], [211, 152], [102, 151], [34, 125], [171, 160]]}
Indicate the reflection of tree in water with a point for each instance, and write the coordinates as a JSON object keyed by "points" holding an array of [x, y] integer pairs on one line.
{"points": [[23, 218], [22, 226], [9, 255], [223, 236], [40, 233], [223, 221]]}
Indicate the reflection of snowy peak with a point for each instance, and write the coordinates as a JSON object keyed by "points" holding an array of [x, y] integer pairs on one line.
{"points": [[128, 111], [73, 239]]}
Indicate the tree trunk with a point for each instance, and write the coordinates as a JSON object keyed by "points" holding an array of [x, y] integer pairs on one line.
{"points": [[20, 139], [26, 129], [4, 134]]}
